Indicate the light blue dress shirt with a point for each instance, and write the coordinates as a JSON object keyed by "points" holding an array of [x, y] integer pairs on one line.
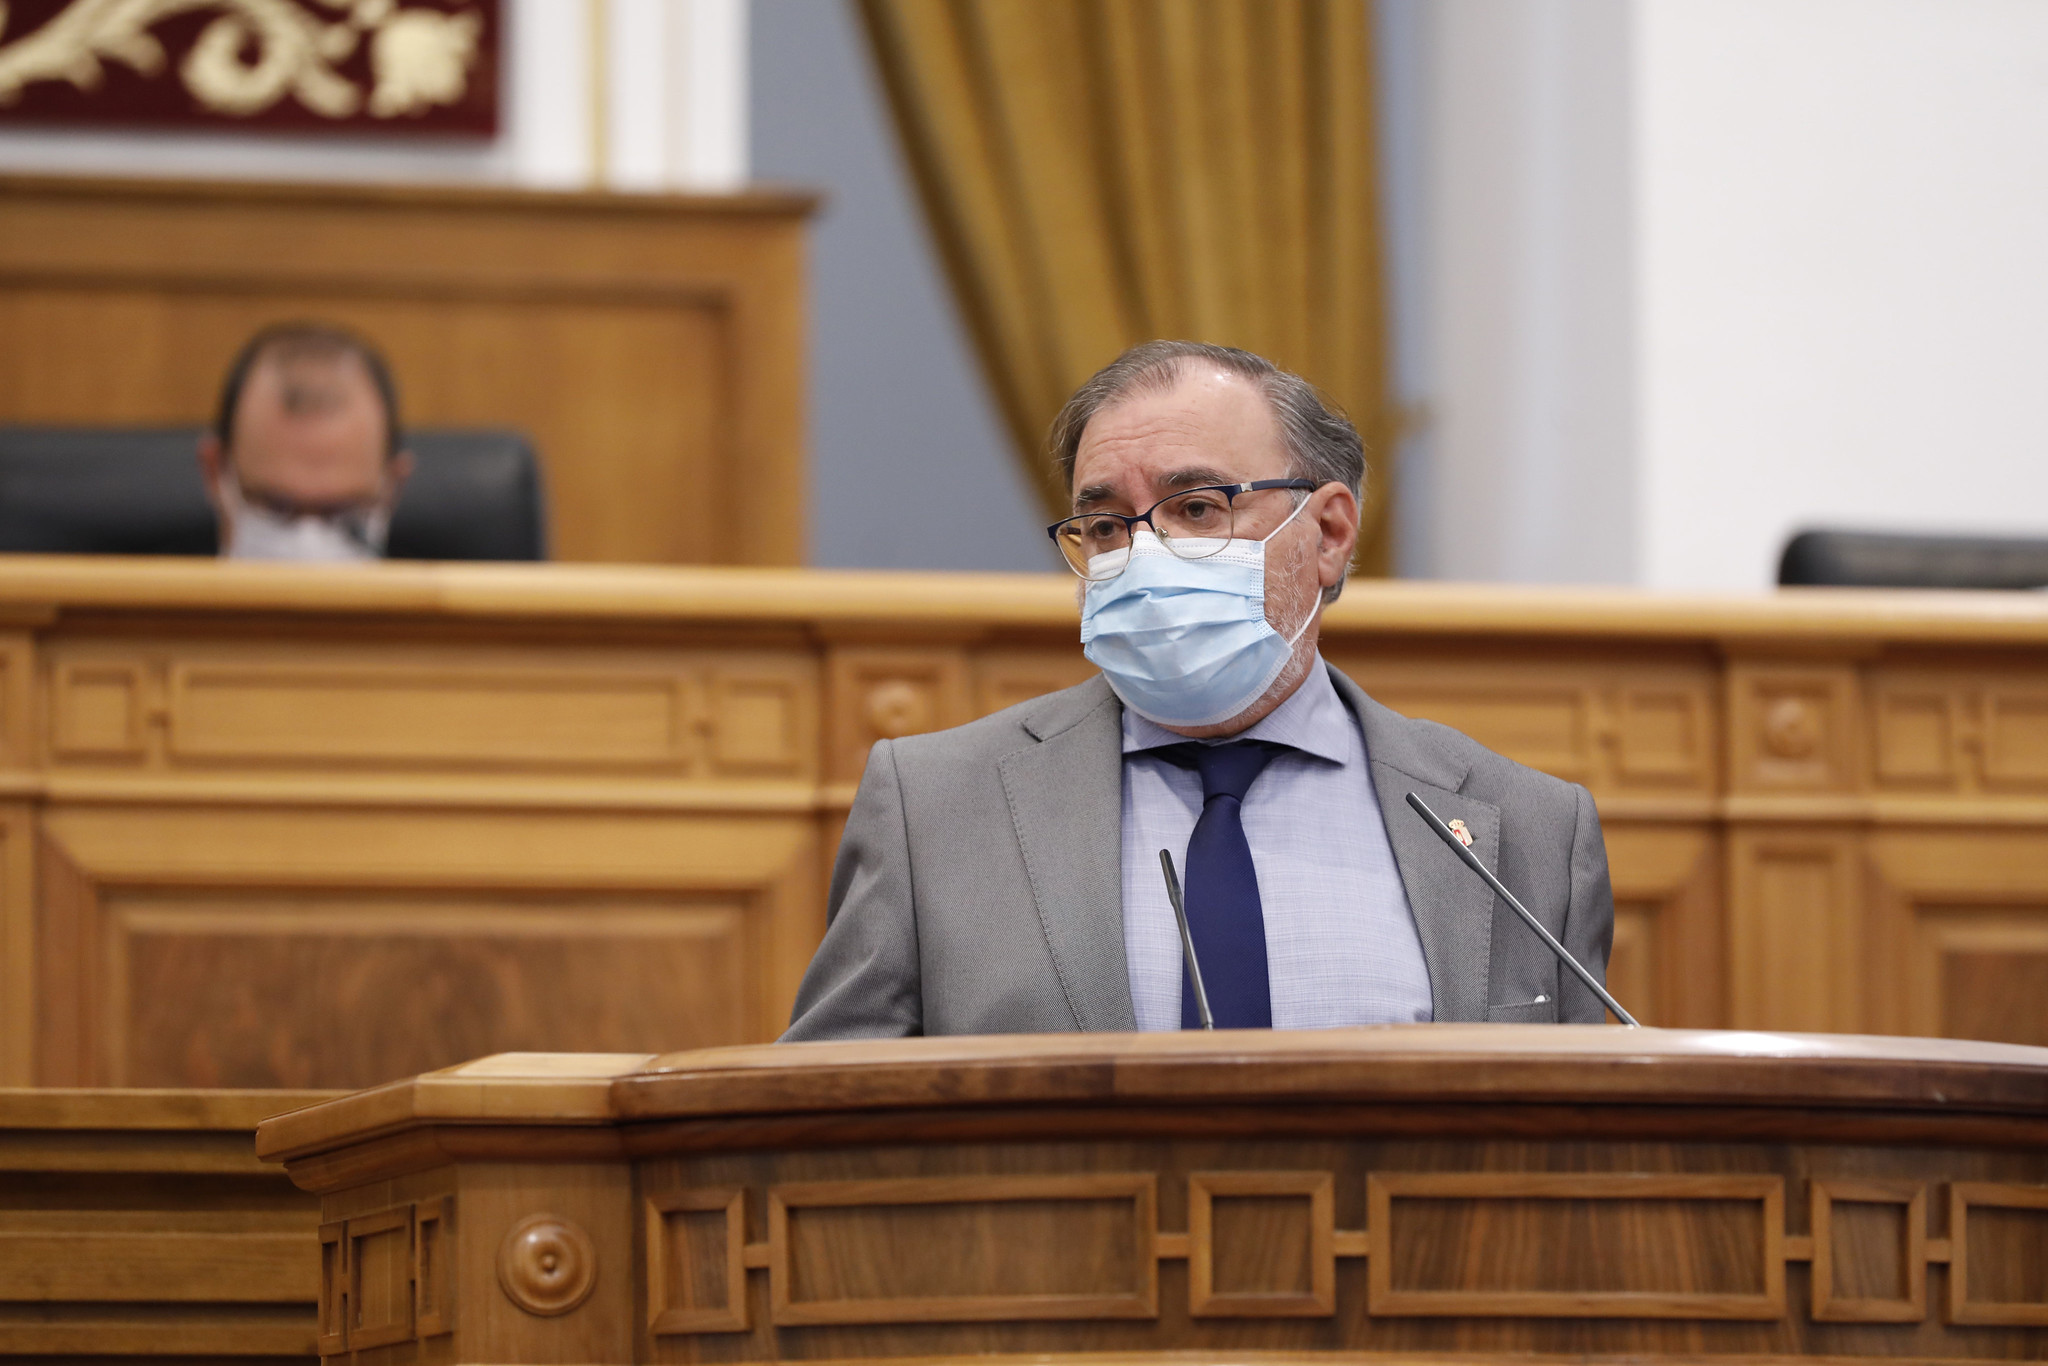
{"points": [[1341, 946]]}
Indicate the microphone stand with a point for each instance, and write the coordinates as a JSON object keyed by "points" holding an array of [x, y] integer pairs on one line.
{"points": [[1564, 955], [1187, 941]]}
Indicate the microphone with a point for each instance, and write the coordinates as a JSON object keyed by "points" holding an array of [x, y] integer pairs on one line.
{"points": [[1187, 941], [1471, 860]]}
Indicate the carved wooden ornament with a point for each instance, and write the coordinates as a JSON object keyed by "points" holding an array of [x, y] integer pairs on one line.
{"points": [[546, 1265], [375, 67]]}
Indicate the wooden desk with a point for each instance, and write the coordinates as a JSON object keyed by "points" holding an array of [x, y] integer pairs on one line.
{"points": [[1427, 1191], [291, 826], [140, 1223]]}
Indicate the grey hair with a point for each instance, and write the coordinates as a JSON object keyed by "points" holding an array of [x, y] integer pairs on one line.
{"points": [[1321, 442]]}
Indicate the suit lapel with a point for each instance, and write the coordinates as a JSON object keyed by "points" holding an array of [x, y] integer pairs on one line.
{"points": [[1453, 909], [1065, 793]]}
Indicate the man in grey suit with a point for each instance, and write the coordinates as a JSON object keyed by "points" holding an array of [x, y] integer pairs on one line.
{"points": [[1005, 876]]}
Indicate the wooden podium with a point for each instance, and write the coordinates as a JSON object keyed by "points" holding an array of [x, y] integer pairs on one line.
{"points": [[1420, 1192]]}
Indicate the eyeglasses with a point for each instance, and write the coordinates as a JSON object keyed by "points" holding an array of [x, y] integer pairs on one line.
{"points": [[1193, 524]]}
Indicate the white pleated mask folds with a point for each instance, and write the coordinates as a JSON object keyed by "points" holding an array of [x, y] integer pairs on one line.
{"points": [[260, 533], [1185, 642]]}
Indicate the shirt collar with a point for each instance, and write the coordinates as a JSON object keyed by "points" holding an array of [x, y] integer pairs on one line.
{"points": [[1312, 720]]}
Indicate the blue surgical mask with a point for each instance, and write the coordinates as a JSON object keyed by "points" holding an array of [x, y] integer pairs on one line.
{"points": [[1185, 642]]}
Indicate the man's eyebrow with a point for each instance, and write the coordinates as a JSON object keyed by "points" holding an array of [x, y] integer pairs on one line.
{"points": [[1193, 477], [1094, 493]]}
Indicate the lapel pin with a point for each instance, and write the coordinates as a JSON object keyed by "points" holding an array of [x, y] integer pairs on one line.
{"points": [[1464, 835]]}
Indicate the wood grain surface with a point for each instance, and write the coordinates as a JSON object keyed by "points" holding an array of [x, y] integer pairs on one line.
{"points": [[138, 1224], [770, 1221], [397, 816]]}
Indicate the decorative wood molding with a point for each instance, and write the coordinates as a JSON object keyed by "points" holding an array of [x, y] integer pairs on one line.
{"points": [[1795, 727], [529, 774], [379, 1259], [547, 1265], [1958, 931], [1909, 1246], [1686, 1299], [1980, 730], [691, 942], [1978, 1303], [1500, 1236], [1315, 1296], [884, 693], [1503, 1199], [19, 977], [435, 1270], [207, 707], [1795, 928], [676, 1302], [977, 1291], [336, 1298], [388, 1277], [1669, 960]]}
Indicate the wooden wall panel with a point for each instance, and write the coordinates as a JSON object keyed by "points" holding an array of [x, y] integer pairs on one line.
{"points": [[212, 948], [244, 807], [885, 692], [18, 986], [652, 346], [1720, 1235], [199, 704], [1795, 727], [358, 989], [1669, 961], [136, 1226], [1643, 725], [17, 693], [1795, 929], [1961, 921], [834, 1250], [1977, 730]]}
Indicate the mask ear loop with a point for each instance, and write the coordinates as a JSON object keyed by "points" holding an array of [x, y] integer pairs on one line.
{"points": [[1317, 611], [1284, 525], [1306, 621]]}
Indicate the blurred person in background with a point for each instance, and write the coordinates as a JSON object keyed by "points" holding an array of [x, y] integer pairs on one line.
{"points": [[306, 458]]}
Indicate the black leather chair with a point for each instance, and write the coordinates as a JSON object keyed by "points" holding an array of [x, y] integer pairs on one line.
{"points": [[1865, 559], [473, 495]]}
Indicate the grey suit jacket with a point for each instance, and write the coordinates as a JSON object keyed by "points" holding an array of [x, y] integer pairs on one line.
{"points": [[978, 888]]}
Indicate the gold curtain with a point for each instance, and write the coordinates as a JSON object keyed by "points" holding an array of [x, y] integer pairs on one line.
{"points": [[1103, 172]]}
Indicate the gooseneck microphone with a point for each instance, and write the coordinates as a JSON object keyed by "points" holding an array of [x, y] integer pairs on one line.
{"points": [[1471, 860], [1187, 941]]}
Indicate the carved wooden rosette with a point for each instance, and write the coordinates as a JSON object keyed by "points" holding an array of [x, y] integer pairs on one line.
{"points": [[546, 1265]]}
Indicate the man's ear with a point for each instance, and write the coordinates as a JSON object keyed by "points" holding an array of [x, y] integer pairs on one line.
{"points": [[210, 457], [398, 470], [1337, 523]]}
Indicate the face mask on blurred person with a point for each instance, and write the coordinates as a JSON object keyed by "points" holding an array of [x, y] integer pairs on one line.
{"points": [[258, 532], [1185, 642]]}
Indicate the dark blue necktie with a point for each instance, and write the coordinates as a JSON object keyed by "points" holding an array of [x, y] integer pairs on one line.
{"points": [[1221, 889]]}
